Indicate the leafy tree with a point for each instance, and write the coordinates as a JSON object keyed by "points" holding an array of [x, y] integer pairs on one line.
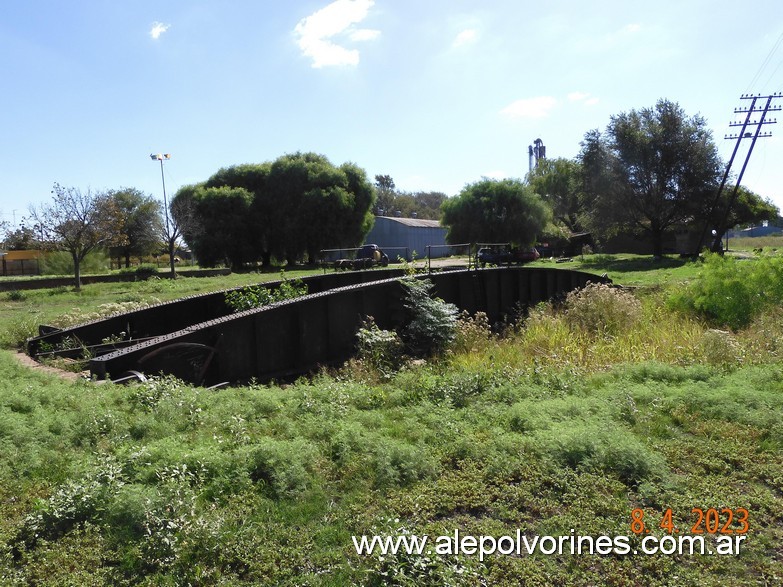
{"points": [[262, 213], [318, 205], [21, 239], [298, 204], [748, 209], [425, 205], [224, 221], [78, 222], [559, 183], [495, 211], [141, 221], [384, 185], [4, 230], [652, 169]]}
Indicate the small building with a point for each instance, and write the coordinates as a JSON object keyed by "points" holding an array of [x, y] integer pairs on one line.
{"points": [[401, 237], [20, 262]]}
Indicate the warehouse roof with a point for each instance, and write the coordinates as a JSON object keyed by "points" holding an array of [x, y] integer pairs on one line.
{"points": [[420, 222]]}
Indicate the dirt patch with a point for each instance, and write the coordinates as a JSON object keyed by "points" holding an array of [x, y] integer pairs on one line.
{"points": [[31, 363]]}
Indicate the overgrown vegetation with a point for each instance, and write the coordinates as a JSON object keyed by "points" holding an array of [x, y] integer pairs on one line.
{"points": [[258, 296], [565, 421], [733, 292]]}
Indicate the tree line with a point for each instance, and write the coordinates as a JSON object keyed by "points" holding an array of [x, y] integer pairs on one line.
{"points": [[650, 171]]}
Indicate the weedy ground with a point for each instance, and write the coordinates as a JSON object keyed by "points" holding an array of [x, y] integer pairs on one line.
{"points": [[565, 421]]}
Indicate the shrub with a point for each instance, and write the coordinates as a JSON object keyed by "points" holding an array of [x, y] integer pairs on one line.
{"points": [[71, 504], [611, 451], [473, 333], [61, 263], [381, 349], [143, 272], [281, 467], [601, 309], [398, 463], [433, 322], [77, 316], [16, 295], [721, 349], [17, 330]]}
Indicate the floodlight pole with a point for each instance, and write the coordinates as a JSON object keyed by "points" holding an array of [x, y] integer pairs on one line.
{"points": [[161, 157], [169, 237]]}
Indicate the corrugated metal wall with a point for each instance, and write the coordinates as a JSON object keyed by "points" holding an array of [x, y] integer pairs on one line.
{"points": [[390, 233]]}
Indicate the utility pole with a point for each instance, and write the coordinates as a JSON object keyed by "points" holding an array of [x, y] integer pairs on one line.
{"points": [[744, 133]]}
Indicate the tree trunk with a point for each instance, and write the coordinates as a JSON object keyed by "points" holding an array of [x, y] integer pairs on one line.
{"points": [[171, 259], [77, 271], [266, 259], [127, 260], [657, 241]]}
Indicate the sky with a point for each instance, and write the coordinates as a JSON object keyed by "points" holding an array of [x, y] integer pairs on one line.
{"points": [[435, 93]]}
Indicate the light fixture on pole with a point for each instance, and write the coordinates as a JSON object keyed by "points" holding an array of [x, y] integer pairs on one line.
{"points": [[161, 157]]}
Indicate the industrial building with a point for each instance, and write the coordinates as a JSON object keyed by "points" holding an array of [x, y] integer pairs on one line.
{"points": [[400, 237]]}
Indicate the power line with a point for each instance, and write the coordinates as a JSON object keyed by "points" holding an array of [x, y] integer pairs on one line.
{"points": [[766, 61]]}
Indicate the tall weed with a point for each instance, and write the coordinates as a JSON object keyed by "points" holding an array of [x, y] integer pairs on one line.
{"points": [[600, 309]]}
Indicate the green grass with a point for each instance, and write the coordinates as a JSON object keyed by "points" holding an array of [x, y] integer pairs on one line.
{"points": [[556, 426], [23, 311], [768, 243], [631, 270]]}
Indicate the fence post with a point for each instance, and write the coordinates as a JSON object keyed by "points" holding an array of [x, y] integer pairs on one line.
{"points": [[429, 261]]}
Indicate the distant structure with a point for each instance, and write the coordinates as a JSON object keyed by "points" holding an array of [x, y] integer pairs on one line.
{"points": [[535, 152], [403, 236]]}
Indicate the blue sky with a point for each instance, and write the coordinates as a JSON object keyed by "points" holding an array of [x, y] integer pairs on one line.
{"points": [[435, 93]]}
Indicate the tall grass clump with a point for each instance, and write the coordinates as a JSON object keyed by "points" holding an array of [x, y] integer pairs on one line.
{"points": [[602, 310], [730, 292], [594, 329]]}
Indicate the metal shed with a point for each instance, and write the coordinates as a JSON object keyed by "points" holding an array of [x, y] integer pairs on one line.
{"points": [[413, 234]]}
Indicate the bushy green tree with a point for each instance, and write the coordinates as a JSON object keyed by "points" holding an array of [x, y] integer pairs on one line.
{"points": [[21, 239], [652, 169], [747, 209], [224, 225], [141, 222], [292, 207], [493, 210], [559, 183]]}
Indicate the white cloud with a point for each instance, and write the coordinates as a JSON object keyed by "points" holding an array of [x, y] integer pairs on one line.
{"points": [[578, 96], [465, 38], [530, 107], [315, 32], [158, 28], [583, 97], [364, 35], [632, 28]]}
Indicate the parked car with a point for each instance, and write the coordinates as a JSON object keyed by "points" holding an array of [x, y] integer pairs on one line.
{"points": [[500, 256]]}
